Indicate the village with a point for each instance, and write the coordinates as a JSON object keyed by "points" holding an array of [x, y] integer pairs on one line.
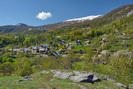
{"points": [[60, 49]]}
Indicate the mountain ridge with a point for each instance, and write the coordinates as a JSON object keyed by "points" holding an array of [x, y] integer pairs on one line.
{"points": [[84, 18]]}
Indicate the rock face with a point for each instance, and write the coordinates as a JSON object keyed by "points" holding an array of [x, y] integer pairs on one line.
{"points": [[62, 75], [88, 77], [25, 78], [76, 76], [45, 72], [121, 85]]}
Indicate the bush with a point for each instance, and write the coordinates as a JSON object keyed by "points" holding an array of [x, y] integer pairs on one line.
{"points": [[6, 68], [23, 66]]}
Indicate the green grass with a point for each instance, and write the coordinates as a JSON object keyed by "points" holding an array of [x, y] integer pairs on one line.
{"points": [[46, 81], [77, 48], [38, 82]]}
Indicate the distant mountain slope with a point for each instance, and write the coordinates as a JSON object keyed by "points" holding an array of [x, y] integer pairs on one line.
{"points": [[14, 28], [21, 25], [118, 13]]}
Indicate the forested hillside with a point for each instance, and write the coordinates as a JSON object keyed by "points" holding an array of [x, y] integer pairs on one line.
{"points": [[104, 46]]}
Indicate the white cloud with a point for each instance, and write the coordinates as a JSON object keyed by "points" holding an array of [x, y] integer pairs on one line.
{"points": [[44, 15]]}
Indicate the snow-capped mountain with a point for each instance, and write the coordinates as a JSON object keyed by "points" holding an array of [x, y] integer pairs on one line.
{"points": [[71, 22], [83, 18]]}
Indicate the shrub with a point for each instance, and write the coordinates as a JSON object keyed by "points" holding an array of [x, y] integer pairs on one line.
{"points": [[23, 66], [6, 68]]}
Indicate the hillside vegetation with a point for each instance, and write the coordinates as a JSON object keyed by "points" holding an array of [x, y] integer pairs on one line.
{"points": [[110, 51]]}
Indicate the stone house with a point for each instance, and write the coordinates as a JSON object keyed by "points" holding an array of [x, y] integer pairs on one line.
{"points": [[44, 48], [34, 49]]}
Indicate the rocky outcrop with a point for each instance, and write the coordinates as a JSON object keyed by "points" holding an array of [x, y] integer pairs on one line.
{"points": [[121, 85], [62, 75], [25, 78], [75, 76], [86, 77]]}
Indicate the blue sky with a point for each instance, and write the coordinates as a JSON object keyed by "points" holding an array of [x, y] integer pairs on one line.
{"points": [[52, 11]]}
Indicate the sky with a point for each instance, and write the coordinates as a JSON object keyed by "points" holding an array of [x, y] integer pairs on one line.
{"points": [[43, 12]]}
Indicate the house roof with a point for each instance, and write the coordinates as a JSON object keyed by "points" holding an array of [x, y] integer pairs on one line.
{"points": [[45, 46], [24, 48], [34, 47]]}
